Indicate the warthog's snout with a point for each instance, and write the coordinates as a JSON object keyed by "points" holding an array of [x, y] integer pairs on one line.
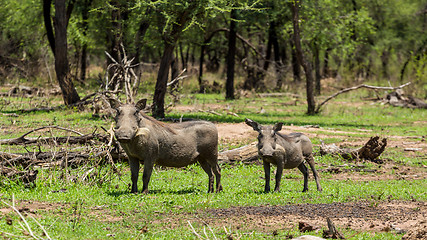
{"points": [[124, 135], [266, 151]]}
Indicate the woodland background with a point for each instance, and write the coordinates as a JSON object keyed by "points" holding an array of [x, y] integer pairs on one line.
{"points": [[266, 46]]}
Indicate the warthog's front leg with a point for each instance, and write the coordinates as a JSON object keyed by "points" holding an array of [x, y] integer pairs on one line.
{"points": [[134, 169], [267, 176], [148, 169], [304, 171], [279, 172]]}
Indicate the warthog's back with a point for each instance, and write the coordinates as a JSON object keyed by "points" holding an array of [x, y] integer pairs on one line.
{"points": [[192, 140]]}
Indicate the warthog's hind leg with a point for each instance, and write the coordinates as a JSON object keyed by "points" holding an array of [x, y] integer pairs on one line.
{"points": [[208, 169], [310, 161], [304, 171], [217, 171]]}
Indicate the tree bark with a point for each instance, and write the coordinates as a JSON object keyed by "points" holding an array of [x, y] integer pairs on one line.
{"points": [[69, 93], [296, 68], [317, 68], [201, 62], [301, 59], [47, 4], [326, 70], [142, 30], [162, 80], [277, 60], [85, 17], [229, 86]]}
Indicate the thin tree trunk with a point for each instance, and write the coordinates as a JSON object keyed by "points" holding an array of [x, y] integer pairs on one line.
{"points": [[278, 63], [162, 80], [174, 67], [143, 27], [202, 59], [317, 68], [47, 4], [296, 68], [326, 70], [85, 17], [69, 93], [301, 59], [229, 86]]}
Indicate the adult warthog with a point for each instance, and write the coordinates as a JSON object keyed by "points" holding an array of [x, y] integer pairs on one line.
{"points": [[146, 140], [284, 151]]}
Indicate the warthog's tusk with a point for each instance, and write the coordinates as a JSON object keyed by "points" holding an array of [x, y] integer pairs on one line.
{"points": [[280, 149], [142, 131]]}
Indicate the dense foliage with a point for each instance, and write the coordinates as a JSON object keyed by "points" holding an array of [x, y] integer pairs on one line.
{"points": [[352, 40]]}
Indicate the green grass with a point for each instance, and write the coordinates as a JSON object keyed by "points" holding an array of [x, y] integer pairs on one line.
{"points": [[181, 191], [102, 205]]}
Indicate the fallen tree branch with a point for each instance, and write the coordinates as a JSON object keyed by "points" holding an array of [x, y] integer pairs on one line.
{"points": [[357, 87], [22, 140]]}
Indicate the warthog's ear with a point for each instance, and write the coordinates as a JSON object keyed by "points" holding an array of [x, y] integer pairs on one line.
{"points": [[252, 123], [277, 127], [114, 103], [140, 105]]}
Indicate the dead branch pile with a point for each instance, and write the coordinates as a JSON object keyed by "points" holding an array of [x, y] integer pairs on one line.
{"points": [[81, 139], [398, 99], [370, 151], [25, 91], [123, 75]]}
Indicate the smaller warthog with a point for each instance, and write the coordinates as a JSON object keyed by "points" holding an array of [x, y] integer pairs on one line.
{"points": [[284, 151], [146, 140]]}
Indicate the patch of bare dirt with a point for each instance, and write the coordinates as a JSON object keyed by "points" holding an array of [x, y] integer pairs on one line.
{"points": [[399, 216]]}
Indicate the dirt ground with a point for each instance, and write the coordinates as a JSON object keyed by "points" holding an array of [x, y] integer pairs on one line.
{"points": [[409, 217]]}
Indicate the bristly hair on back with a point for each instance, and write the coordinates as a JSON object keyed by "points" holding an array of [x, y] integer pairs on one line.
{"points": [[159, 124]]}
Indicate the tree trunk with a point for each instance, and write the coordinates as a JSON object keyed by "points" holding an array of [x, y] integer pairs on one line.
{"points": [[115, 33], [277, 60], [326, 70], [85, 17], [174, 67], [162, 80], [229, 86], [143, 27], [69, 93], [47, 4], [296, 69], [202, 59], [317, 68], [311, 105]]}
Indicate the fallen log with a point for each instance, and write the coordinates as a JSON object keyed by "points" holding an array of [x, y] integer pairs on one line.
{"points": [[245, 154], [370, 151]]}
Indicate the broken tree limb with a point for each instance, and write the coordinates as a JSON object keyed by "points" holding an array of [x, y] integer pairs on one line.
{"points": [[370, 151], [22, 140], [245, 154], [357, 87]]}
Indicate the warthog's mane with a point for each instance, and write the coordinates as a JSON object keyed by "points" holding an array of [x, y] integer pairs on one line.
{"points": [[158, 124], [289, 136]]}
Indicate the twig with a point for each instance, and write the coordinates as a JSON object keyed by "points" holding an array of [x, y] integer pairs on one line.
{"points": [[28, 228], [194, 231]]}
